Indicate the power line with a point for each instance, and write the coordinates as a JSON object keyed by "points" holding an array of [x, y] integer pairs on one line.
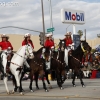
{"points": [[19, 28]]}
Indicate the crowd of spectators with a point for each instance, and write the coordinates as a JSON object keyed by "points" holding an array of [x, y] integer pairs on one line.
{"points": [[91, 65]]}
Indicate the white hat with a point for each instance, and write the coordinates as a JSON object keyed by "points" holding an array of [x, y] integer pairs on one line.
{"points": [[48, 35], [4, 35], [68, 33], [27, 35]]}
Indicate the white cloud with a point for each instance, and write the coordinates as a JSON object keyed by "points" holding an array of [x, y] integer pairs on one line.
{"points": [[28, 14]]}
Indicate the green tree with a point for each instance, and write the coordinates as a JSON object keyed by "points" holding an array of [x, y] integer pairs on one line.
{"points": [[80, 32]]}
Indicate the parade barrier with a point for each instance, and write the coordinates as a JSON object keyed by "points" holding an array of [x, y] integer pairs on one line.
{"points": [[94, 72]]}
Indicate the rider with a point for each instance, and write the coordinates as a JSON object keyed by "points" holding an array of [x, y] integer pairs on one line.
{"points": [[27, 40], [49, 41], [68, 42], [6, 47]]}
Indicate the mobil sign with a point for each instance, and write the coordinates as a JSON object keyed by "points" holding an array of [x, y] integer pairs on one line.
{"points": [[72, 16]]}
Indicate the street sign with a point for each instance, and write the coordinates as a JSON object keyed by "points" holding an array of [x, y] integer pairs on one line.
{"points": [[50, 29], [76, 40]]}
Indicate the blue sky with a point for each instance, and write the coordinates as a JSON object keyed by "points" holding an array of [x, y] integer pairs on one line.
{"points": [[28, 15]]}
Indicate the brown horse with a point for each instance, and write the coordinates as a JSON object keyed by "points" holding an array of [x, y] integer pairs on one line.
{"points": [[38, 65]]}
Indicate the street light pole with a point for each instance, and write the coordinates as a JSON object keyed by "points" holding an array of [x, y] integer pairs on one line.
{"points": [[43, 19], [51, 21]]}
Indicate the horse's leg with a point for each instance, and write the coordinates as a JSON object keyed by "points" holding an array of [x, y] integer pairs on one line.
{"points": [[14, 83], [59, 80], [31, 80], [5, 82], [63, 76], [36, 80], [46, 75], [22, 75], [73, 81], [42, 77], [17, 77], [4, 62], [80, 77]]}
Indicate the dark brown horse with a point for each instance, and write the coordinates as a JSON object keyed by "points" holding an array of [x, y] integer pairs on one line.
{"points": [[38, 65], [75, 59], [57, 65]]}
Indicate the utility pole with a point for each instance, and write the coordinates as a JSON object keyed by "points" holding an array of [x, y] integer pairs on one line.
{"points": [[43, 19]]}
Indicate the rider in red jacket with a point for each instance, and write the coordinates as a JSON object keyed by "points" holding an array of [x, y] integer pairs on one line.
{"points": [[5, 44], [7, 48], [27, 40], [68, 38], [49, 41]]}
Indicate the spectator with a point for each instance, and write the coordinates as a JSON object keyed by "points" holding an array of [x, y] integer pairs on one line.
{"points": [[86, 70], [89, 60]]}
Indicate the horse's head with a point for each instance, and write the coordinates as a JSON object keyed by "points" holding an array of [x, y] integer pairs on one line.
{"points": [[85, 46], [62, 45], [47, 53], [29, 51]]}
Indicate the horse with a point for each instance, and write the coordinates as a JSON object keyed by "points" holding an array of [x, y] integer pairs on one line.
{"points": [[75, 59], [16, 64], [38, 66], [58, 65]]}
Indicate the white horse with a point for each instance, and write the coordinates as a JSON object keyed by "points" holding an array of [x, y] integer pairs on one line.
{"points": [[16, 63]]}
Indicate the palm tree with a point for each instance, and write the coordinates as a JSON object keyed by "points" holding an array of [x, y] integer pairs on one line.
{"points": [[80, 32]]}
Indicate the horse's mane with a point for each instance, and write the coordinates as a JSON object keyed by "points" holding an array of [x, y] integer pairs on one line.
{"points": [[77, 50], [36, 52]]}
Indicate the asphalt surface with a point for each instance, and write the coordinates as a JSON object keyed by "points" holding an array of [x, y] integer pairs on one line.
{"points": [[90, 92]]}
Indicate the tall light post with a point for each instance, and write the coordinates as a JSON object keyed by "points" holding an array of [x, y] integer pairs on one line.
{"points": [[50, 8], [43, 19]]}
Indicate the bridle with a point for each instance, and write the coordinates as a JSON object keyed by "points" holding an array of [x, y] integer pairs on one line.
{"points": [[83, 48], [26, 49]]}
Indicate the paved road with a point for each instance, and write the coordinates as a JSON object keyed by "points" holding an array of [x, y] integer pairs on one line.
{"points": [[90, 92]]}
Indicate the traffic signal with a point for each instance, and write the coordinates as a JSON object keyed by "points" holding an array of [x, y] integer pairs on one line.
{"points": [[41, 35]]}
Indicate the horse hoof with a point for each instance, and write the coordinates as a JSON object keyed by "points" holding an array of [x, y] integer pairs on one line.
{"points": [[46, 90], [74, 85], [83, 86], [13, 92], [61, 88], [32, 91], [21, 93], [8, 93]]}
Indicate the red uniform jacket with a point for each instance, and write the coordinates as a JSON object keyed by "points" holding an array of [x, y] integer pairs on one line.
{"points": [[5, 44], [49, 43], [68, 41], [30, 42]]}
